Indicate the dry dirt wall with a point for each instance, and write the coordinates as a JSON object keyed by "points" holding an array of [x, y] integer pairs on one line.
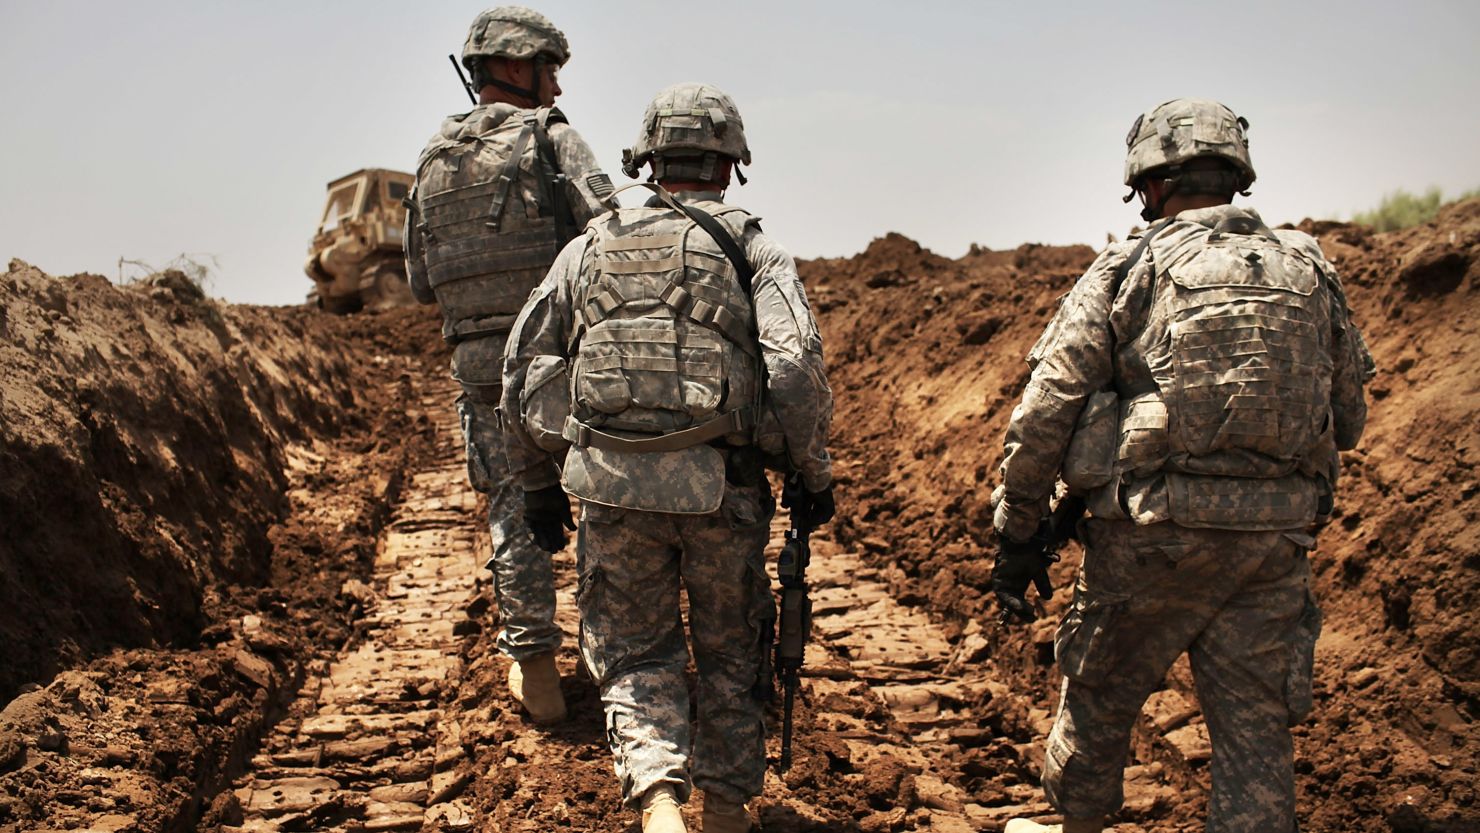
{"points": [[926, 358], [142, 435], [192, 495]]}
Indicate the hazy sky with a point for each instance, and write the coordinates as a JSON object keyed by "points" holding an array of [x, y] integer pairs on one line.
{"points": [[148, 129]]}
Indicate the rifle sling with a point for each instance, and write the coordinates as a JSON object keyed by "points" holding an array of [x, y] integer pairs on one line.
{"points": [[565, 220], [1124, 269], [726, 242]]}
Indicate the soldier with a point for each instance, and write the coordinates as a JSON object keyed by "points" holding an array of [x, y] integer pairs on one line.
{"points": [[1193, 389], [669, 349], [499, 191]]}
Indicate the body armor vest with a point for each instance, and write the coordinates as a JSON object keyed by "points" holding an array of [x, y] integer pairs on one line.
{"points": [[1238, 342], [1224, 395], [493, 216], [664, 345]]}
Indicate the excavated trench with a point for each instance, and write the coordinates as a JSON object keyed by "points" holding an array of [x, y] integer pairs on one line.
{"points": [[246, 590]]}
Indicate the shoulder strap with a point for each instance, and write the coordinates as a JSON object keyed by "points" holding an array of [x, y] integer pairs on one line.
{"points": [[506, 177], [1124, 269], [726, 242], [555, 182]]}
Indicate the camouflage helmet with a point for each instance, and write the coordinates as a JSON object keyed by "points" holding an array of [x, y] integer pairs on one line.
{"points": [[1183, 129], [692, 122], [516, 33]]}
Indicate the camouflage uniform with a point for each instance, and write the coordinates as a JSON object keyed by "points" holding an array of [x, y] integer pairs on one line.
{"points": [[632, 560], [479, 308], [1181, 554]]}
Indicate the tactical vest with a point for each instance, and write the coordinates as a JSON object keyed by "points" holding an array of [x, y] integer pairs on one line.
{"points": [[664, 345], [493, 214], [1233, 406]]}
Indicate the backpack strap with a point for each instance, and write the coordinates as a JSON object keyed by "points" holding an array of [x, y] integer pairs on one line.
{"points": [[506, 177], [729, 422]]}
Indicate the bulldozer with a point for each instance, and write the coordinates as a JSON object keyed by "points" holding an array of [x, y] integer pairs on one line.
{"points": [[356, 260]]}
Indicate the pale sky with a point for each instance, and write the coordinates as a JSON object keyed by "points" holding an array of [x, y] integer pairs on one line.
{"points": [[153, 128]]}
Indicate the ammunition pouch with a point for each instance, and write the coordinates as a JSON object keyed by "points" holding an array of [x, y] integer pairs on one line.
{"points": [[1090, 460], [544, 403]]}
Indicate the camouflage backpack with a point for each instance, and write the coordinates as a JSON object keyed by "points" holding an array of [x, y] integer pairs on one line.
{"points": [[1238, 345], [1244, 367], [491, 202], [665, 356]]}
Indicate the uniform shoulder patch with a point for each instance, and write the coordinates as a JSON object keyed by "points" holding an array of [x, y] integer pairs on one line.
{"points": [[600, 185]]}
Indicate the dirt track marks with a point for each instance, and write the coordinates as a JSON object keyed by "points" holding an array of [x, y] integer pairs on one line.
{"points": [[365, 748], [907, 662]]}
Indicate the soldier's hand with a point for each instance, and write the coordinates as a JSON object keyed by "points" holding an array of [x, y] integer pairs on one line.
{"points": [[813, 509], [1018, 565], [547, 514]]}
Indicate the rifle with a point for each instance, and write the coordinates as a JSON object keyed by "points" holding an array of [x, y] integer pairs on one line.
{"points": [[466, 85], [1060, 527], [796, 612]]}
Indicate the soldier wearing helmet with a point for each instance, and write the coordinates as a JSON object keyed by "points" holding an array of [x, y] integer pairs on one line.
{"points": [[1191, 393], [499, 191], [666, 360]]}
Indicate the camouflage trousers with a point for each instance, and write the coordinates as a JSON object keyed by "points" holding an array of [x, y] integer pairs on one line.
{"points": [[523, 580], [1239, 603], [631, 565]]}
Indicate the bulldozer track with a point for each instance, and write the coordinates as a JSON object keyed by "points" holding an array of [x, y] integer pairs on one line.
{"points": [[377, 739], [903, 657], [365, 746]]}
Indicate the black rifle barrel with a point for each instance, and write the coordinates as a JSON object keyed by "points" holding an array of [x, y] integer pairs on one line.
{"points": [[795, 621]]}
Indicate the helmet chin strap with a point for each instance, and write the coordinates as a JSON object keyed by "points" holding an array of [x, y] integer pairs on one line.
{"points": [[1153, 211], [532, 92]]}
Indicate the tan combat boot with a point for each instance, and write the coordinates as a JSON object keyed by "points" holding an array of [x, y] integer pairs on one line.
{"points": [[721, 816], [1069, 826], [535, 683], [660, 812]]}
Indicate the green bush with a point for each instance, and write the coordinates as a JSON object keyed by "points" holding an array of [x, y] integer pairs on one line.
{"points": [[1401, 209]]}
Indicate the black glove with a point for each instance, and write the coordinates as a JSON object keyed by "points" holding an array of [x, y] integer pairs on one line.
{"points": [[812, 509], [1017, 566], [547, 514]]}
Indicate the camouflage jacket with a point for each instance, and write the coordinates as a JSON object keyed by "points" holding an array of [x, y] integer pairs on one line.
{"points": [[477, 361], [1090, 346], [797, 396]]}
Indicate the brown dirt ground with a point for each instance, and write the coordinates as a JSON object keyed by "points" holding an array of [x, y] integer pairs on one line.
{"points": [[191, 489]]}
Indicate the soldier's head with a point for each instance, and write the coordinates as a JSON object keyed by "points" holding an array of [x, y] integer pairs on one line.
{"points": [[692, 137], [514, 54], [1187, 153]]}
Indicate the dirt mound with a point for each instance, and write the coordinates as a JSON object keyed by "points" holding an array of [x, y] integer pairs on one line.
{"points": [[143, 444], [926, 356], [194, 484]]}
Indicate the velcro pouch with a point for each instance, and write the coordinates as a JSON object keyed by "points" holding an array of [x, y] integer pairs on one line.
{"points": [[544, 404], [1090, 460], [1143, 445], [1244, 503]]}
